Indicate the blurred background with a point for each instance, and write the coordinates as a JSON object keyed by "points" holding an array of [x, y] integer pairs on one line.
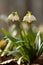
{"points": [[21, 6]]}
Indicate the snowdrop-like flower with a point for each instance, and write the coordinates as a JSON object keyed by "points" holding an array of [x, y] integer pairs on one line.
{"points": [[10, 17], [13, 17], [29, 17]]}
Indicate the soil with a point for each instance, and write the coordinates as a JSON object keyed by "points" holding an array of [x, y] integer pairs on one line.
{"points": [[5, 60]]}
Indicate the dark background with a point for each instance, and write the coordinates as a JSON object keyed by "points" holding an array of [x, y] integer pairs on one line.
{"points": [[21, 6]]}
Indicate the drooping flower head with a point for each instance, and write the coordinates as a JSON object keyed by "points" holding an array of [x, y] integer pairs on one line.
{"points": [[13, 17], [29, 17]]}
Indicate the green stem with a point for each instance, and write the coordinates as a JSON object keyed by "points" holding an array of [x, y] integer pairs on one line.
{"points": [[22, 29], [30, 27]]}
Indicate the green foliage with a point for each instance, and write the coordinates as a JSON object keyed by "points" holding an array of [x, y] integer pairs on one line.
{"points": [[28, 46], [27, 49], [14, 40], [39, 44]]}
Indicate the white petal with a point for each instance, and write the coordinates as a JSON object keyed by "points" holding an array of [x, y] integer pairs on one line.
{"points": [[10, 17]]}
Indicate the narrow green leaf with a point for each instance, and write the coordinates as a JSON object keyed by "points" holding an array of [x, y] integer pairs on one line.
{"points": [[41, 49], [38, 41], [15, 40]]}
